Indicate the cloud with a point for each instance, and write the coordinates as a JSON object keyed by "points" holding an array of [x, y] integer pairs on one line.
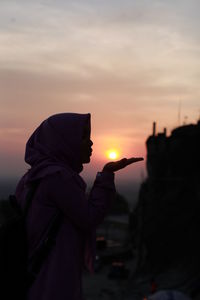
{"points": [[128, 63]]}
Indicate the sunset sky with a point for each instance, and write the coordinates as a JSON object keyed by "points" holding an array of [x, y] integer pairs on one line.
{"points": [[128, 63]]}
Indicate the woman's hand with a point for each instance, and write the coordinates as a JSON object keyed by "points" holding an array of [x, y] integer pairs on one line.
{"points": [[120, 164]]}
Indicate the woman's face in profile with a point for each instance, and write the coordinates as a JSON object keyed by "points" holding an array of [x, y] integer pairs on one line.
{"points": [[86, 146]]}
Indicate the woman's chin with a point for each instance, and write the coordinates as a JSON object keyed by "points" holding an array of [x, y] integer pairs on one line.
{"points": [[86, 160]]}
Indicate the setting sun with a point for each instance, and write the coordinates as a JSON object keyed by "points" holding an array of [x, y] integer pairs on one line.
{"points": [[112, 154]]}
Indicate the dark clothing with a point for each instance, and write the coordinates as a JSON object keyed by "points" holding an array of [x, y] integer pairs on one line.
{"points": [[54, 153]]}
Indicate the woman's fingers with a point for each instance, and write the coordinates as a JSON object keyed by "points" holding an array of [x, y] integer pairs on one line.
{"points": [[127, 161], [120, 164], [133, 160]]}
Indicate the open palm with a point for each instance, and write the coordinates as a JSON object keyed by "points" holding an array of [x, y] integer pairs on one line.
{"points": [[120, 164]]}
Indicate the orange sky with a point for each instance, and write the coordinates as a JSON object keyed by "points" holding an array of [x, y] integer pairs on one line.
{"points": [[128, 63]]}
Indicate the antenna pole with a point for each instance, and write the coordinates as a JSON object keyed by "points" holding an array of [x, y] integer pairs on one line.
{"points": [[154, 128], [179, 113]]}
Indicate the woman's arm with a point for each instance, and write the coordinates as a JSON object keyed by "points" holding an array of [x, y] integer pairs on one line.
{"points": [[70, 198], [72, 201]]}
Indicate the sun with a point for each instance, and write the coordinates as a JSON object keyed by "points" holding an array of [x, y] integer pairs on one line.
{"points": [[112, 154]]}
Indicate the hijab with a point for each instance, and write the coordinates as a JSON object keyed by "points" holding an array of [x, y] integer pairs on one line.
{"points": [[56, 144]]}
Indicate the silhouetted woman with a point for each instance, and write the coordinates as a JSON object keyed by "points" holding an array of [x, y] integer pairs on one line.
{"points": [[56, 151]]}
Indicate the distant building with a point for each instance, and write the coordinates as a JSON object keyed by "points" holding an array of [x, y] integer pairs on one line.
{"points": [[165, 224], [176, 155]]}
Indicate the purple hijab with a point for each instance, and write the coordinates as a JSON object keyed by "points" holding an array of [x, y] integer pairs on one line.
{"points": [[56, 144]]}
